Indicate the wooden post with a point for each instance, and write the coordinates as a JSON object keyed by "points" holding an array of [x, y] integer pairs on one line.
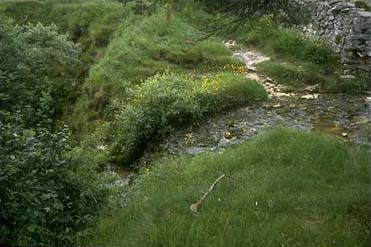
{"points": [[169, 10]]}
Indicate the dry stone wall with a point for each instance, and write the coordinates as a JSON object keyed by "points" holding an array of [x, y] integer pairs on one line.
{"points": [[345, 27]]}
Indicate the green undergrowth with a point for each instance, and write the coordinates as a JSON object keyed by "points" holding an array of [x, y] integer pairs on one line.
{"points": [[286, 44], [293, 75], [167, 102], [143, 47], [284, 188], [89, 23], [298, 75], [357, 85], [364, 4]]}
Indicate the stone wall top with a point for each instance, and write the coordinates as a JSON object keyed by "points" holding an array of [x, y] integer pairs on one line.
{"points": [[346, 28]]}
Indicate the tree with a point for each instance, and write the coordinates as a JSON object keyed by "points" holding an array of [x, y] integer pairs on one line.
{"points": [[48, 194]]}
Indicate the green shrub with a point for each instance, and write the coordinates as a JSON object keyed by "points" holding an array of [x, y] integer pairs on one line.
{"points": [[46, 195], [37, 70], [162, 103], [227, 90], [283, 188], [169, 101], [92, 24], [89, 23], [49, 194]]}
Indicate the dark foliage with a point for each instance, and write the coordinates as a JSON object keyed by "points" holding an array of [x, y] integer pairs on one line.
{"points": [[283, 10], [48, 195]]}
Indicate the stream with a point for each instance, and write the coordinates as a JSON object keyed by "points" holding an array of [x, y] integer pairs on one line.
{"points": [[347, 117]]}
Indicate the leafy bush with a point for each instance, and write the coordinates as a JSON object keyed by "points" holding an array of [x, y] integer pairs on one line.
{"points": [[229, 90], [48, 196], [37, 69], [283, 188], [169, 101], [90, 23]]}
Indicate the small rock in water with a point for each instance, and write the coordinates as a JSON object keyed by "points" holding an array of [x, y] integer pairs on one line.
{"points": [[312, 89], [347, 77], [268, 80], [230, 43], [228, 135], [227, 142], [277, 105], [251, 68], [196, 150], [253, 76], [310, 96]]}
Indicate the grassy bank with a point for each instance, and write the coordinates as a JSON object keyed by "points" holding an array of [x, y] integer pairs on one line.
{"points": [[167, 102], [296, 60], [286, 188], [143, 47], [89, 23]]}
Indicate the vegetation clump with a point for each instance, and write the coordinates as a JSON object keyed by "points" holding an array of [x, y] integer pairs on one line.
{"points": [[297, 61], [147, 46], [47, 196], [170, 101]]}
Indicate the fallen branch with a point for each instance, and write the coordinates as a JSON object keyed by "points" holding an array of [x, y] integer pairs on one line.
{"points": [[362, 122], [195, 206]]}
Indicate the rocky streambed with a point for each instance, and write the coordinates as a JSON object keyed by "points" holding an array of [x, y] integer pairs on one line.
{"points": [[345, 116]]}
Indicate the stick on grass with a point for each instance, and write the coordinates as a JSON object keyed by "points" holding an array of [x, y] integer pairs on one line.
{"points": [[195, 206]]}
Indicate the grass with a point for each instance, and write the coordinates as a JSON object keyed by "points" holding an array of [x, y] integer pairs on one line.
{"points": [[297, 61], [170, 101], [364, 4], [146, 46], [286, 44], [294, 75], [89, 23], [298, 75], [287, 188], [142, 47]]}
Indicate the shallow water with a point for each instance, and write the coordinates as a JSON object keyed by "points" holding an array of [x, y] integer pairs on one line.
{"points": [[344, 116], [347, 117]]}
